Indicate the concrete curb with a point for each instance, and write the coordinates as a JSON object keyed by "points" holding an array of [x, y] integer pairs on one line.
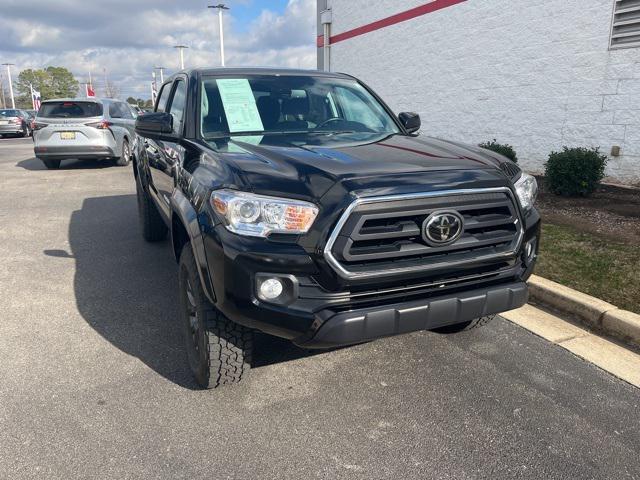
{"points": [[596, 313]]}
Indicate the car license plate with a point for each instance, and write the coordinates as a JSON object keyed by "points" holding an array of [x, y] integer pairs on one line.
{"points": [[67, 135]]}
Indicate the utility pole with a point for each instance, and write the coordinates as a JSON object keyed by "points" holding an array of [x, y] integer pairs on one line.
{"points": [[161, 74], [326, 19], [220, 7], [181, 49], [13, 101]]}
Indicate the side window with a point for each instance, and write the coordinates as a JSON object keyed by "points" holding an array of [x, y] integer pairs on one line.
{"points": [[114, 110], [163, 96], [125, 111], [178, 103]]}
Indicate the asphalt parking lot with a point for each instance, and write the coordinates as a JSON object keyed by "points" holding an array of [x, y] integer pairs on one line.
{"points": [[95, 382]]}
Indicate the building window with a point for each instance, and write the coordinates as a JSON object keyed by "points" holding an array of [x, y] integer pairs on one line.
{"points": [[625, 32]]}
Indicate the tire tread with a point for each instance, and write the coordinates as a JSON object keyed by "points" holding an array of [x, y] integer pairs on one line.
{"points": [[229, 345]]}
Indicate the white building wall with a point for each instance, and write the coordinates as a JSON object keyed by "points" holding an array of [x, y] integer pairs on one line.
{"points": [[537, 74]]}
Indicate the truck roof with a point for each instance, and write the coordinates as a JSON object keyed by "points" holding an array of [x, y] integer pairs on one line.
{"points": [[260, 71]]}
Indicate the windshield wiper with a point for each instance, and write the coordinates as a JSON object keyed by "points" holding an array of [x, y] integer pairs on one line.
{"points": [[330, 132], [282, 132]]}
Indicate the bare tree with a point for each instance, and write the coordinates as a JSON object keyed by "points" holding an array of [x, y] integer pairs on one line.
{"points": [[111, 90]]}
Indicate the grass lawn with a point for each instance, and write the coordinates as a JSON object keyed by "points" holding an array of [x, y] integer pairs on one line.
{"points": [[591, 264]]}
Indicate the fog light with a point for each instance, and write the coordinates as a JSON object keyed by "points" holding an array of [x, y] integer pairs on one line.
{"points": [[271, 288]]}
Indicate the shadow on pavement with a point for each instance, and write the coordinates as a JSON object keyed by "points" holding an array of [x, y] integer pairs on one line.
{"points": [[70, 164], [126, 289]]}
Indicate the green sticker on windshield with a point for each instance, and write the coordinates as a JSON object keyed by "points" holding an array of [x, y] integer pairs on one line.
{"points": [[239, 105]]}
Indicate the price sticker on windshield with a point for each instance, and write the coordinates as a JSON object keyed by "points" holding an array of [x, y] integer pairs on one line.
{"points": [[239, 105]]}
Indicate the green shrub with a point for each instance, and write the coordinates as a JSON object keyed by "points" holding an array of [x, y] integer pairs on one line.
{"points": [[501, 148], [574, 171]]}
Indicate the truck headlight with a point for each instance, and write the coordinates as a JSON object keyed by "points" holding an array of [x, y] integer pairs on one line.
{"points": [[527, 191], [258, 215]]}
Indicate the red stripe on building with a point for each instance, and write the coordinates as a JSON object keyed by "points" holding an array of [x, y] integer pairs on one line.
{"points": [[392, 20]]}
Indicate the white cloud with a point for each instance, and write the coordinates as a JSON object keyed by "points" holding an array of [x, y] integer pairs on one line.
{"points": [[128, 38]]}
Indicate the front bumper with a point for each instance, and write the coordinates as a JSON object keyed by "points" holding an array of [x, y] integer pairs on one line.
{"points": [[367, 324], [322, 314]]}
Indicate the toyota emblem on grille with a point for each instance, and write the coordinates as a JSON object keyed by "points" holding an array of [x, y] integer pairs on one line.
{"points": [[442, 228]]}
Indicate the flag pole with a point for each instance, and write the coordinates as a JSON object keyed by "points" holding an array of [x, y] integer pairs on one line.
{"points": [[33, 102]]}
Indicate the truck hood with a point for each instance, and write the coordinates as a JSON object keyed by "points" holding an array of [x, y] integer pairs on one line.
{"points": [[308, 165]]}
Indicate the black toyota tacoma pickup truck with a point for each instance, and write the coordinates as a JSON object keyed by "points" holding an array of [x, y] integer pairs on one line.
{"points": [[299, 205]]}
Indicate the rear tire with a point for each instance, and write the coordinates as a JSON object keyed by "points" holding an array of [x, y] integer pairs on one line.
{"points": [[153, 227], [219, 350], [462, 327], [125, 157], [51, 164]]}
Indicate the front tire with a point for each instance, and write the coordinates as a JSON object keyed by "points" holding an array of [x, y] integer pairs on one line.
{"points": [[219, 350], [51, 164], [125, 157], [462, 327], [153, 227]]}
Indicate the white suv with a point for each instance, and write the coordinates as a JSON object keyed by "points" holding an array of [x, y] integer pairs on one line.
{"points": [[83, 128]]}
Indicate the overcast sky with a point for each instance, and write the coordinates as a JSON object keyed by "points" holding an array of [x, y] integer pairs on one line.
{"points": [[130, 37]]}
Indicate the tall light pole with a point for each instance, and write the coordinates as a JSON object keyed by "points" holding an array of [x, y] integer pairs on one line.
{"points": [[161, 74], [220, 7], [9, 65], [181, 48], [4, 103]]}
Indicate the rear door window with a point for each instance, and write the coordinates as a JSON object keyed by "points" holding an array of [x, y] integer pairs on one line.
{"points": [[70, 110], [126, 111], [9, 113], [115, 111]]}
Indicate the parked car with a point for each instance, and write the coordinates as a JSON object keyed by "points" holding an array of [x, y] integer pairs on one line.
{"points": [[299, 205], [15, 122], [137, 110], [84, 128]]}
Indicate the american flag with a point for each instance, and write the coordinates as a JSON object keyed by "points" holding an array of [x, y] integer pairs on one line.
{"points": [[90, 91], [36, 100]]}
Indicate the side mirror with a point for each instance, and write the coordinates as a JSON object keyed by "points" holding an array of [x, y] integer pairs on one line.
{"points": [[154, 125], [410, 121]]}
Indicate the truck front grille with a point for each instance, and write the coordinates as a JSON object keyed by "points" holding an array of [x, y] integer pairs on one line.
{"points": [[385, 235]]}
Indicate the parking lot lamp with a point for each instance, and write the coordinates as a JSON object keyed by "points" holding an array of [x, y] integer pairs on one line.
{"points": [[13, 102], [4, 103], [161, 74], [181, 49], [220, 7]]}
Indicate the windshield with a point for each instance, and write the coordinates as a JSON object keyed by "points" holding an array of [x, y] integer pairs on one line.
{"points": [[271, 104], [70, 109], [9, 113]]}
